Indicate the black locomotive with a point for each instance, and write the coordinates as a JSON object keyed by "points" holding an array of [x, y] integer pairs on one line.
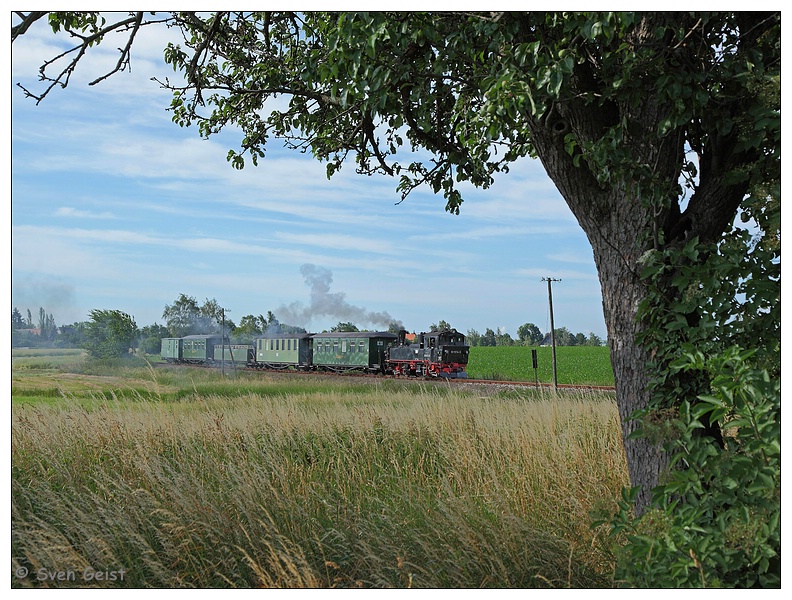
{"points": [[434, 354]]}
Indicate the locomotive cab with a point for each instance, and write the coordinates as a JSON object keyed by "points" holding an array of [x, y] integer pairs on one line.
{"points": [[435, 354], [446, 347]]}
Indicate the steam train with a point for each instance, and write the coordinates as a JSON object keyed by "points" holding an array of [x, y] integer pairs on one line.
{"points": [[433, 354]]}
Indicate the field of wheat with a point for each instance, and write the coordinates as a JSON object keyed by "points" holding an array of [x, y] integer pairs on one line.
{"points": [[183, 478]]}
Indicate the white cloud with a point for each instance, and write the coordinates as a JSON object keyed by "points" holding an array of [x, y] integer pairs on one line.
{"points": [[190, 223], [70, 212]]}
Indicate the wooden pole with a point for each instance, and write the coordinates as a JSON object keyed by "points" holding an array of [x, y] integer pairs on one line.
{"points": [[550, 281]]}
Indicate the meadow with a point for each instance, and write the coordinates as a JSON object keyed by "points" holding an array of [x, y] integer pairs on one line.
{"points": [[180, 477], [576, 365]]}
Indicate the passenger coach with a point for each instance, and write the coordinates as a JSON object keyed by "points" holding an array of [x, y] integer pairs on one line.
{"points": [[355, 351], [282, 351]]}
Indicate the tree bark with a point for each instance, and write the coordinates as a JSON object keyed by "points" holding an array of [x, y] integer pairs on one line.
{"points": [[622, 292], [617, 222]]}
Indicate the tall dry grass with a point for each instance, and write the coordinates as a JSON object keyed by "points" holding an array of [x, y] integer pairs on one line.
{"points": [[396, 489]]}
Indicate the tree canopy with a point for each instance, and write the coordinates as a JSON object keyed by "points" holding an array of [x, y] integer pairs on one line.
{"points": [[110, 334], [185, 316]]}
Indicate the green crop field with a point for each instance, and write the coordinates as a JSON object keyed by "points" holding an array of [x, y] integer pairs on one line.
{"points": [[165, 477], [580, 365]]}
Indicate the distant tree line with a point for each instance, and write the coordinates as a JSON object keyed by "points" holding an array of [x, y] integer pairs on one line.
{"points": [[25, 331], [113, 333], [108, 333], [530, 335]]}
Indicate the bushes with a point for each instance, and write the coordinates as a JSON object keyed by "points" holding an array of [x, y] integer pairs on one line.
{"points": [[716, 521]]}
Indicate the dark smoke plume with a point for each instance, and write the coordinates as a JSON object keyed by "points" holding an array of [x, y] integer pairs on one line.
{"points": [[329, 304]]}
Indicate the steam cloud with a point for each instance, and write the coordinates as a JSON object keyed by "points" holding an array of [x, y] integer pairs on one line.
{"points": [[327, 304], [56, 299]]}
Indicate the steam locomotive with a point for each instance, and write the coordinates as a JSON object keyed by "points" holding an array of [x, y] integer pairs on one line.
{"points": [[433, 354]]}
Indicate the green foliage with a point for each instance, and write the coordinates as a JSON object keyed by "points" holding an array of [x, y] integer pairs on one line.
{"points": [[186, 317], [443, 325], [529, 334], [249, 327], [86, 22], [716, 521], [17, 322], [150, 341], [715, 348], [110, 334]]}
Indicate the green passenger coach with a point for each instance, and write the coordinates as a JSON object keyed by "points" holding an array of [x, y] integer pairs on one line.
{"points": [[171, 350], [362, 351], [199, 349], [284, 350], [237, 354]]}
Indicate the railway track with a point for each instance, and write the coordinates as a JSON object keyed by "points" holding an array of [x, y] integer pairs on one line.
{"points": [[566, 386], [330, 374]]}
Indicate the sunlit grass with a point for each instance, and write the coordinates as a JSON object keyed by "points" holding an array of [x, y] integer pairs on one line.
{"points": [[184, 478], [335, 488]]}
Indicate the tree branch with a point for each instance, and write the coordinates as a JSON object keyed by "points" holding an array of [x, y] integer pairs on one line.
{"points": [[125, 52], [27, 21], [135, 22]]}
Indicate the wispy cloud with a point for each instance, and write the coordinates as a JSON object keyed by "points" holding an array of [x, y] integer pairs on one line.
{"points": [[581, 257], [127, 209], [73, 213]]}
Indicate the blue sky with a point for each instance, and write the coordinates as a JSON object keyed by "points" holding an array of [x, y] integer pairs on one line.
{"points": [[114, 206]]}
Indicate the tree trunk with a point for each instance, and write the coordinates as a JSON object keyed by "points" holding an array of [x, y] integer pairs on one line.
{"points": [[622, 292], [615, 221]]}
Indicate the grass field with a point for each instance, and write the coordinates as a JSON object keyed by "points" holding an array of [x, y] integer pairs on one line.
{"points": [[183, 478], [580, 365]]}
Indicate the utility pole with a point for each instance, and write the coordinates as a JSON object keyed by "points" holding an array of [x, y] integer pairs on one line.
{"points": [[550, 281]]}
